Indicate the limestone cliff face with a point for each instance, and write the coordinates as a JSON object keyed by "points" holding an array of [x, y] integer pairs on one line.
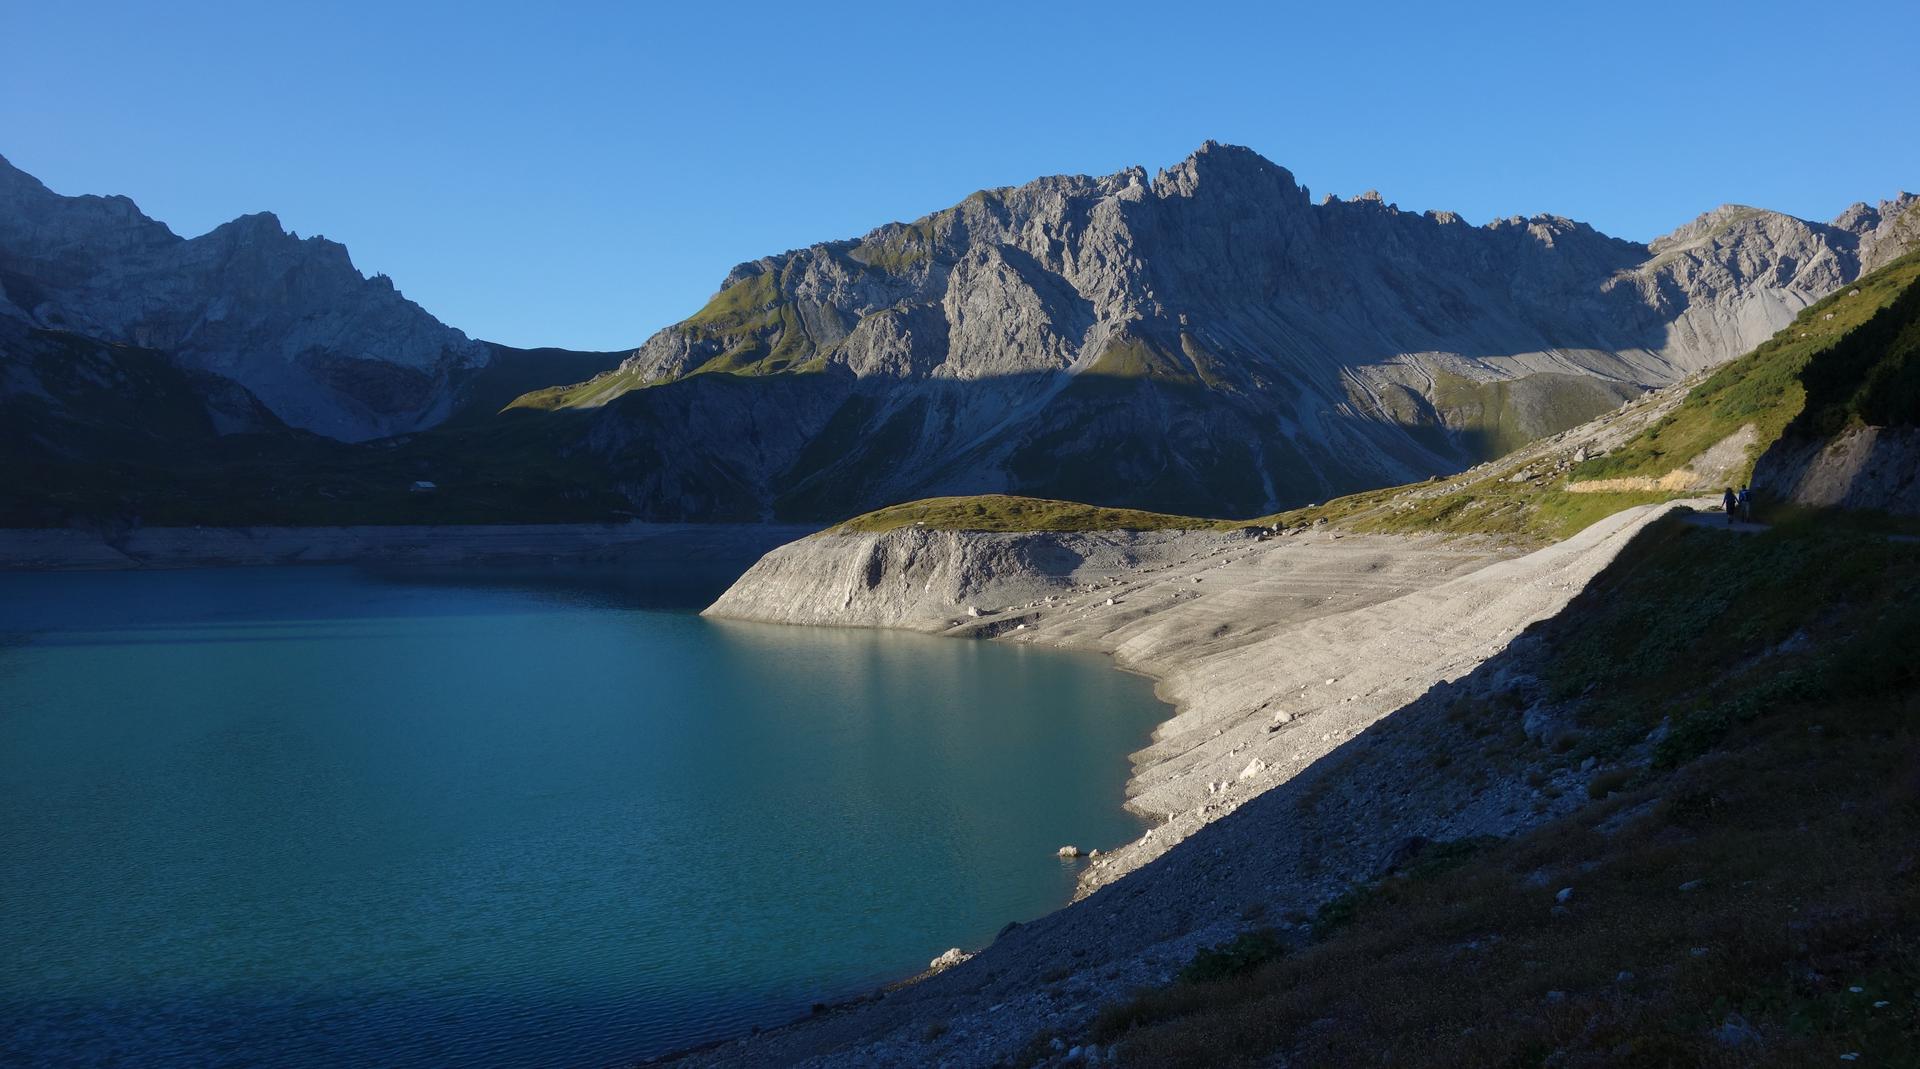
{"points": [[1212, 339], [289, 320]]}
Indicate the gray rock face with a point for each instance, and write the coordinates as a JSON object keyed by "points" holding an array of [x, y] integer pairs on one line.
{"points": [[292, 321], [1886, 232], [1873, 468], [1210, 338]]}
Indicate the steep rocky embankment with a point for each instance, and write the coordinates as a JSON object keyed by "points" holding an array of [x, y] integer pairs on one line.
{"points": [[1856, 443]]}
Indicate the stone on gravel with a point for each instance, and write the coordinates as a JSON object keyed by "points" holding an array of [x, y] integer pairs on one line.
{"points": [[1735, 1032]]}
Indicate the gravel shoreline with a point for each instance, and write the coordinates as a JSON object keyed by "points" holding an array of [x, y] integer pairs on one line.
{"points": [[1309, 674]]}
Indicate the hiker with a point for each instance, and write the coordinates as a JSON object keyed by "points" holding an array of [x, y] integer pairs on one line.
{"points": [[1746, 503], [1728, 504]]}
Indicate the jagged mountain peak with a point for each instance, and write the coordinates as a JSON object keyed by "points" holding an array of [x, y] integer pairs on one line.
{"points": [[264, 233], [1861, 217], [1231, 170], [290, 319], [11, 175], [1731, 223], [255, 222], [1209, 335]]}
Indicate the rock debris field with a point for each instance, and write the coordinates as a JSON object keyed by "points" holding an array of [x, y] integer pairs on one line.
{"points": [[1309, 672]]}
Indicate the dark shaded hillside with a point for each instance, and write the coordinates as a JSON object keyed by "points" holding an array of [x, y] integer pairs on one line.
{"points": [[114, 436], [1748, 898], [510, 373]]}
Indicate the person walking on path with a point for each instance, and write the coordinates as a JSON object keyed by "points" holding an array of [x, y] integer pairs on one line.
{"points": [[1728, 504], [1746, 504]]}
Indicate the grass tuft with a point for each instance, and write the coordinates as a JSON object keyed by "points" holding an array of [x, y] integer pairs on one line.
{"points": [[1003, 512]]}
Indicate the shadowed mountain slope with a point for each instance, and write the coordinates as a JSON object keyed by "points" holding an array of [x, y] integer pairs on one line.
{"points": [[1205, 339], [291, 321]]}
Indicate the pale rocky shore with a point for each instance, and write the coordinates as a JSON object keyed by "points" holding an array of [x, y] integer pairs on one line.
{"points": [[200, 547], [1310, 672]]}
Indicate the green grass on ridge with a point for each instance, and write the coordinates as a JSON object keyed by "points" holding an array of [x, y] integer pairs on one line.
{"points": [[1002, 512], [1766, 387]]}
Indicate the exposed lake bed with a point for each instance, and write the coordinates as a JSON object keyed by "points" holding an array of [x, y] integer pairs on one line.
{"points": [[324, 815]]}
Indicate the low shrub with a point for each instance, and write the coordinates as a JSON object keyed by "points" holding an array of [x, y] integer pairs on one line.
{"points": [[1241, 954]]}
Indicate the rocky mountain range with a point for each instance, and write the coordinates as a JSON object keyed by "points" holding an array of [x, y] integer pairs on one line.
{"points": [[289, 321], [1205, 339], [1208, 339]]}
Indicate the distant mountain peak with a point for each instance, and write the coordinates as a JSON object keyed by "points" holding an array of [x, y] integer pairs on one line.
{"points": [[290, 319], [1232, 168]]}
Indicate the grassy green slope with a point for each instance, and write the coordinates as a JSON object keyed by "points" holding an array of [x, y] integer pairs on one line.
{"points": [[751, 327], [1768, 387], [514, 373], [1760, 872], [1002, 512], [1859, 365]]}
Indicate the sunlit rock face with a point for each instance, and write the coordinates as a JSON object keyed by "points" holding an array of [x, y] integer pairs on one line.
{"points": [[289, 319], [1209, 338]]}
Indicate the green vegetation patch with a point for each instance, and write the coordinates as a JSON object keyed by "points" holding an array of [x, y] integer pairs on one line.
{"points": [[1532, 512], [1128, 357], [741, 305], [528, 378], [1869, 377], [1492, 419], [592, 393], [1768, 387], [897, 249], [1003, 512], [1241, 954], [750, 327], [1684, 605]]}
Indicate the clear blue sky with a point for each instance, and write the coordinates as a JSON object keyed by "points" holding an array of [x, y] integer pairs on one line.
{"points": [[582, 174]]}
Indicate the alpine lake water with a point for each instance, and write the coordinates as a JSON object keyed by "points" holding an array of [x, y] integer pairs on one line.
{"points": [[325, 816]]}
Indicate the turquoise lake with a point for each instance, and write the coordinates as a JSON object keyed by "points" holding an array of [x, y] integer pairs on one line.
{"points": [[329, 817]]}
